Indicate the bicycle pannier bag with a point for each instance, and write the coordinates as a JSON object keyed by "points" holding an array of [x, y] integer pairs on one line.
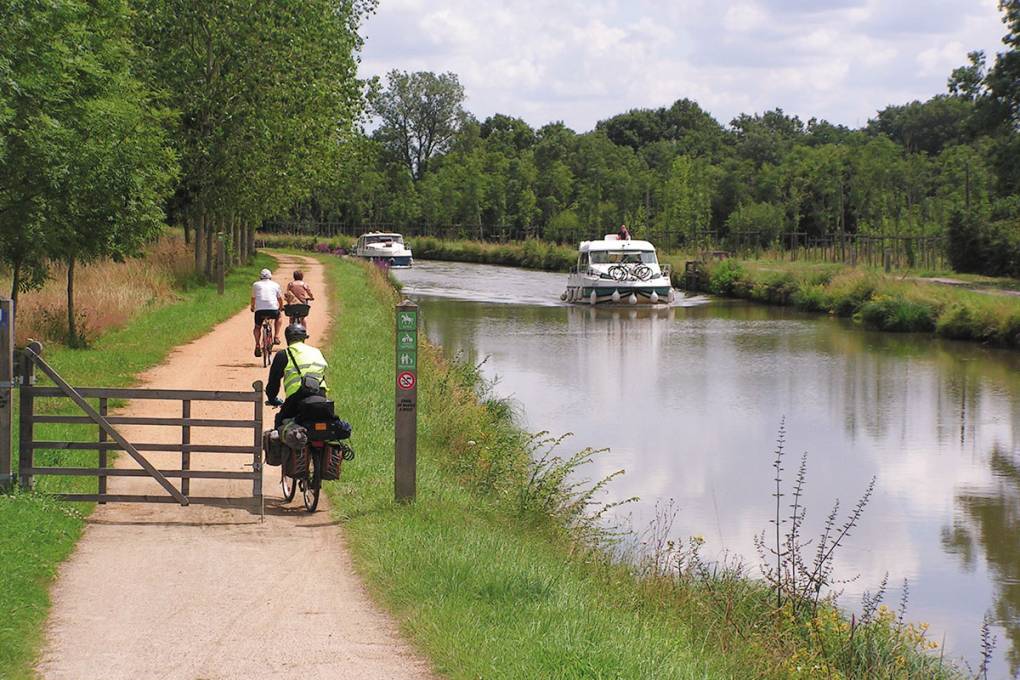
{"points": [[332, 459], [294, 436], [272, 446], [295, 462]]}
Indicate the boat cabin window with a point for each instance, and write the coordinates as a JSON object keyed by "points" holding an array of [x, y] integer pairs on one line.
{"points": [[623, 257]]}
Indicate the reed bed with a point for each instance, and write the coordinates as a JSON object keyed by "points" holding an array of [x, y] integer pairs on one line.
{"points": [[108, 294]]}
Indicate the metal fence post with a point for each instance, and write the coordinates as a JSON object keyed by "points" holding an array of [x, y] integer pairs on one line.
{"points": [[405, 450], [6, 390]]}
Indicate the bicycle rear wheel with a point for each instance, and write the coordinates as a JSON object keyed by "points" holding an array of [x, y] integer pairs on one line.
{"points": [[289, 487], [267, 345], [310, 489]]}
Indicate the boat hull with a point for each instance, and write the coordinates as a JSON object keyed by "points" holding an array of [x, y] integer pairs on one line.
{"points": [[604, 295], [393, 261]]}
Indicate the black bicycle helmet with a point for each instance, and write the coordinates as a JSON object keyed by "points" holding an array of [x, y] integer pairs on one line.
{"points": [[294, 333]]}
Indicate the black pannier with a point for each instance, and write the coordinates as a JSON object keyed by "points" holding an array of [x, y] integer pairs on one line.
{"points": [[272, 447], [315, 409], [295, 462], [328, 431]]}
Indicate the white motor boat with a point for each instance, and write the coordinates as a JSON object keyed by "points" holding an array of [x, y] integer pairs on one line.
{"points": [[618, 271], [384, 247]]}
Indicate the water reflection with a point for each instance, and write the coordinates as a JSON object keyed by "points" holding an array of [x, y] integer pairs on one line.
{"points": [[689, 400], [990, 523]]}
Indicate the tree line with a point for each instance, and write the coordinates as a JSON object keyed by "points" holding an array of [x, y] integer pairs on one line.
{"points": [[944, 167], [119, 116]]}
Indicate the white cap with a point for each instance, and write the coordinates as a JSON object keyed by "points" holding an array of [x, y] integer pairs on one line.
{"points": [[265, 274]]}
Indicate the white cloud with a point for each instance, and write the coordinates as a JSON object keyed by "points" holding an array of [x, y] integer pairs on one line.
{"points": [[583, 61]]}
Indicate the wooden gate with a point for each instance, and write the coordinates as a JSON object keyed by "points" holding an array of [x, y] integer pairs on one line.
{"points": [[110, 439]]}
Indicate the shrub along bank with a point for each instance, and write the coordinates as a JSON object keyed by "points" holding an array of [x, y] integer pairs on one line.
{"points": [[875, 300], [494, 573], [36, 532]]}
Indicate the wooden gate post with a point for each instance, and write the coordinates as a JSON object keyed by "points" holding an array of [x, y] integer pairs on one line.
{"points": [[26, 405], [6, 390], [405, 450], [221, 263]]}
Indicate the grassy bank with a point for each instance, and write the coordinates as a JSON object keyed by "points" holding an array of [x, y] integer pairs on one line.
{"points": [[37, 533], [494, 573], [878, 301]]}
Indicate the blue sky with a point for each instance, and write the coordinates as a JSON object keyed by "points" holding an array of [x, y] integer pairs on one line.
{"points": [[581, 61]]}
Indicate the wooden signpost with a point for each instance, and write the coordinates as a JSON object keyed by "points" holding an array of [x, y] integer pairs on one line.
{"points": [[405, 448]]}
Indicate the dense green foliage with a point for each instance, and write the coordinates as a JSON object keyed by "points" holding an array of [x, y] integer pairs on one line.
{"points": [[265, 92], [113, 111], [678, 176], [36, 532], [85, 164]]}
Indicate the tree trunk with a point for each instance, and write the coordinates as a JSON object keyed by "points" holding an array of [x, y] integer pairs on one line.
{"points": [[208, 226], [187, 231], [72, 330], [235, 240], [15, 283], [251, 242], [199, 243], [232, 241]]}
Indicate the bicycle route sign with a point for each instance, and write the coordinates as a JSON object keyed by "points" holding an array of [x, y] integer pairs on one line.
{"points": [[406, 402]]}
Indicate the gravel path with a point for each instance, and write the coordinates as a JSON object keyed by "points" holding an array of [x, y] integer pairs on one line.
{"points": [[208, 591]]}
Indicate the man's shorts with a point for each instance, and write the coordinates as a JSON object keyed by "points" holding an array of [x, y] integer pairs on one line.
{"points": [[266, 314]]}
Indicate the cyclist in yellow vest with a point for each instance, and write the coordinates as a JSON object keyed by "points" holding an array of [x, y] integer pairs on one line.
{"points": [[296, 368]]}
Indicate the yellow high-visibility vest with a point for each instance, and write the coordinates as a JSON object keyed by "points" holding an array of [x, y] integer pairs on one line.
{"points": [[309, 360]]}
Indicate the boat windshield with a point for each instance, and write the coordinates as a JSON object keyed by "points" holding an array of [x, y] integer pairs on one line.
{"points": [[383, 238], [622, 256]]}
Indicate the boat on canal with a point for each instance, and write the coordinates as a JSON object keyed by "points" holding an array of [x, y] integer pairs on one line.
{"points": [[618, 271], [383, 247]]}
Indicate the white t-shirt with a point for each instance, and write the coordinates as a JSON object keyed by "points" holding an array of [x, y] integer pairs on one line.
{"points": [[266, 294]]}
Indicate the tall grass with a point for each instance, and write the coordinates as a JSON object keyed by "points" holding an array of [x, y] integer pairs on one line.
{"points": [[107, 294]]}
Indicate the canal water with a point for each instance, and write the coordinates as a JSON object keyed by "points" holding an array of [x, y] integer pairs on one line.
{"points": [[689, 400]]}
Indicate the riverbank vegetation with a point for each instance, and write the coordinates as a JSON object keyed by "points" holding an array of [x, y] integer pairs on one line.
{"points": [[879, 301], [495, 572], [38, 533]]}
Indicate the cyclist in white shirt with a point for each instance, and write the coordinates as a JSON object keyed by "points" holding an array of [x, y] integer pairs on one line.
{"points": [[266, 302]]}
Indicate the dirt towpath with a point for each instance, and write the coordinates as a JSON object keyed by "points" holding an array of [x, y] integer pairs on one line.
{"points": [[207, 591]]}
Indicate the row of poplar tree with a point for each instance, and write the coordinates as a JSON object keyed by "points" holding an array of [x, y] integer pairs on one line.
{"points": [[117, 116], [946, 166]]}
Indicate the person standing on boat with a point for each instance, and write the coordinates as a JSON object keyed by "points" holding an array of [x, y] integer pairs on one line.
{"points": [[623, 234]]}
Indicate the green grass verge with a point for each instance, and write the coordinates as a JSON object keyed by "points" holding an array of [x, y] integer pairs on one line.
{"points": [[36, 532], [488, 581]]}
